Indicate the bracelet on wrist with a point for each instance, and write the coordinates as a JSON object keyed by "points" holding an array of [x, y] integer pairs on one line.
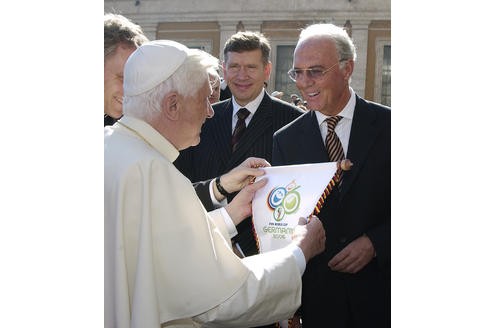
{"points": [[220, 188]]}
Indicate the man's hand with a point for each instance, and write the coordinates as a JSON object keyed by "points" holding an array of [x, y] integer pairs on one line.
{"points": [[354, 256], [240, 207], [310, 237], [240, 176]]}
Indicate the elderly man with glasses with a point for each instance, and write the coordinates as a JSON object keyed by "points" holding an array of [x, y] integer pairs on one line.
{"points": [[348, 285]]}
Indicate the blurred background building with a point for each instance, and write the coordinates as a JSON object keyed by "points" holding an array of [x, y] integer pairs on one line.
{"points": [[208, 24]]}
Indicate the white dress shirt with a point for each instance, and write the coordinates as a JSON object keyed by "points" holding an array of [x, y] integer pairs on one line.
{"points": [[343, 128], [251, 107]]}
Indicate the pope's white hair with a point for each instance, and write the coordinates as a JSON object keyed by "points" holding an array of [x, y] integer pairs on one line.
{"points": [[187, 80]]}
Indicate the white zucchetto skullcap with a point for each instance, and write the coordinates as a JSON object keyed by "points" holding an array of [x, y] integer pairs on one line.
{"points": [[152, 63]]}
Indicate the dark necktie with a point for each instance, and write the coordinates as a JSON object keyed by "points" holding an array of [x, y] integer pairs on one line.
{"points": [[240, 127], [332, 142]]}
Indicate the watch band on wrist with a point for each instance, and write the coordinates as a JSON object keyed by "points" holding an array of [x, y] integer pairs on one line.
{"points": [[220, 188]]}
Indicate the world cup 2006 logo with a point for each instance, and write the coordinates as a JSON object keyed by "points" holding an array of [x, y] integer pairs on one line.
{"points": [[284, 200]]}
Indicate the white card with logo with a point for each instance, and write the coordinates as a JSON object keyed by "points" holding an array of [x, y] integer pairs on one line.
{"points": [[292, 192]]}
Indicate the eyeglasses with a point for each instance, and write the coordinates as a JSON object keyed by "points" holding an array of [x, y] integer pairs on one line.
{"points": [[312, 73]]}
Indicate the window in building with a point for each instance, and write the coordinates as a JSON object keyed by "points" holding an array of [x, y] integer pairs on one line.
{"points": [[378, 63], [283, 64], [198, 35], [386, 76], [383, 72], [201, 44]]}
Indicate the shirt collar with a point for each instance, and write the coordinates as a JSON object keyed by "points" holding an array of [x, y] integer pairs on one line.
{"points": [[347, 112], [146, 132], [251, 106]]}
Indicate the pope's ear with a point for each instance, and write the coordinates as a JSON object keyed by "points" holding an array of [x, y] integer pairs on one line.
{"points": [[170, 106]]}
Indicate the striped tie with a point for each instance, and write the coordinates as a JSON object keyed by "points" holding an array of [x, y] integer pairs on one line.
{"points": [[332, 142], [240, 127]]}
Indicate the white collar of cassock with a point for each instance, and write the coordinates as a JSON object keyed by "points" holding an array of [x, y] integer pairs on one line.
{"points": [[150, 136]]}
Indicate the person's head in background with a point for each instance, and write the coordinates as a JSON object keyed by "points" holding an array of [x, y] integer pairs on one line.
{"points": [[215, 85], [122, 37], [158, 89], [246, 65], [277, 94]]}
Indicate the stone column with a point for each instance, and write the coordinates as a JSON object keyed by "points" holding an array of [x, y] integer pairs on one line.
{"points": [[227, 28], [254, 26], [360, 39]]}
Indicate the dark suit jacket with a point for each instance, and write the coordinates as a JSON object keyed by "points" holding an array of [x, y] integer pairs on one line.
{"points": [[225, 93], [213, 156], [360, 206], [202, 189], [109, 120]]}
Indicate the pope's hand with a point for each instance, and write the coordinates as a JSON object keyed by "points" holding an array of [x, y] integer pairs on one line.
{"points": [[310, 237]]}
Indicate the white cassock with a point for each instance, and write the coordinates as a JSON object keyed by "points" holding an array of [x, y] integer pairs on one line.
{"points": [[169, 263]]}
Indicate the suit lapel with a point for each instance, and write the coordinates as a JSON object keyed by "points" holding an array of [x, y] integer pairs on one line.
{"points": [[310, 143], [221, 131], [363, 134], [260, 123]]}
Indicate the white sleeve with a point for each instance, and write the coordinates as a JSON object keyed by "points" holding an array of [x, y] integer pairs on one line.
{"points": [[214, 201], [299, 256], [223, 222], [272, 292]]}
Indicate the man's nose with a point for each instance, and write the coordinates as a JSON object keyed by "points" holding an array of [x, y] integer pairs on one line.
{"points": [[243, 72], [304, 80]]}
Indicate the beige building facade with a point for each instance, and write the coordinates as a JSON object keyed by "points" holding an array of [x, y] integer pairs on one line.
{"points": [[208, 24]]}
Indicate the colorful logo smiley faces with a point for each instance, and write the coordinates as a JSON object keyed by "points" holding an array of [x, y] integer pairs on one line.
{"points": [[284, 200]]}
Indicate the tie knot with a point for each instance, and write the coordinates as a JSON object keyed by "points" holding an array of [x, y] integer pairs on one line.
{"points": [[332, 122], [243, 113]]}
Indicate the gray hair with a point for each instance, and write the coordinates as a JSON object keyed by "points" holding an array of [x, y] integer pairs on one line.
{"points": [[187, 80], [214, 71], [345, 46]]}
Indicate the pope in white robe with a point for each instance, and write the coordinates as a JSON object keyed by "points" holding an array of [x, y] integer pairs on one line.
{"points": [[169, 263]]}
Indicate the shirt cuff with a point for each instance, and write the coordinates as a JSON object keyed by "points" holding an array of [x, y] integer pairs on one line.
{"points": [[298, 255], [215, 202], [230, 224]]}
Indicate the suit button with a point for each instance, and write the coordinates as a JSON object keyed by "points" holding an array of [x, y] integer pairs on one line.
{"points": [[342, 240]]}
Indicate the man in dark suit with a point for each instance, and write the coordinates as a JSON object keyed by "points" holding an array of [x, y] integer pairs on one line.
{"points": [[246, 68], [349, 284]]}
